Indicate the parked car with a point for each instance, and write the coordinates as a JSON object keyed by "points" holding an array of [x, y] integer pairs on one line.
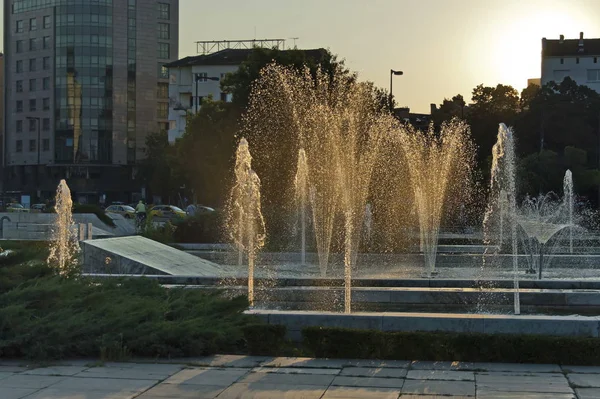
{"points": [[125, 210], [18, 208], [193, 210], [38, 208], [167, 212]]}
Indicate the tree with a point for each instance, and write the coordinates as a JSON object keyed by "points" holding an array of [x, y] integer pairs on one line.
{"points": [[156, 170], [454, 108]]}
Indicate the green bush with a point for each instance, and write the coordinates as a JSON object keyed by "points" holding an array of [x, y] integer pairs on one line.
{"points": [[164, 233], [265, 339], [201, 228], [54, 317], [96, 210], [437, 346]]}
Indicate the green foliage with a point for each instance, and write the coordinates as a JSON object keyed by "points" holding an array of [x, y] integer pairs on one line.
{"points": [[164, 233], [437, 346], [265, 339], [96, 210], [200, 228], [53, 317]]}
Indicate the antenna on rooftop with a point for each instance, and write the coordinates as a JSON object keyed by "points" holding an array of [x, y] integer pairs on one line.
{"points": [[294, 39]]}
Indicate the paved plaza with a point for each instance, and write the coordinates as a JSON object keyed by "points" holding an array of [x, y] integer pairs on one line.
{"points": [[267, 377]]}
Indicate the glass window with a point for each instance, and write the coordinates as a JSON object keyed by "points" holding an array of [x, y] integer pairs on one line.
{"points": [[32, 105], [19, 27], [19, 145], [32, 145], [46, 83], [593, 75], [164, 11], [162, 90], [46, 124], [46, 104], [163, 72], [32, 24], [19, 105], [46, 21], [19, 46], [19, 126], [46, 145], [163, 111], [19, 66], [32, 46], [32, 125], [19, 86], [46, 63], [164, 31], [163, 50], [46, 42], [32, 84], [32, 65]]}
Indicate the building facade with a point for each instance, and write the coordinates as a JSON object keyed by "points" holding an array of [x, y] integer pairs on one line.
{"points": [[575, 58], [85, 84]]}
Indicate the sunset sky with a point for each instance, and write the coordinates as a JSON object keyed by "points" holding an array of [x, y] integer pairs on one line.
{"points": [[444, 47]]}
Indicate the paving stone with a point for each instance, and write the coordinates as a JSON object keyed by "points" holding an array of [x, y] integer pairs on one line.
{"points": [[485, 394], [370, 382], [79, 384], [288, 379], [332, 363], [5, 374], [15, 393], [295, 370], [50, 393], [29, 381], [516, 367], [8, 368], [231, 361], [137, 372], [588, 393], [183, 391], [55, 370], [374, 372], [361, 393], [426, 365], [583, 380], [571, 369], [436, 387], [206, 376], [411, 396], [440, 375], [270, 391], [515, 382]]}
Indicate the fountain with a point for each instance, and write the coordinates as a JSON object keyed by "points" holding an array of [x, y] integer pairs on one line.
{"points": [[246, 224], [568, 203], [301, 183], [64, 248]]}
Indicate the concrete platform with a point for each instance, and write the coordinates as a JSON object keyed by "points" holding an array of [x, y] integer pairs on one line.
{"points": [[139, 255], [579, 326]]}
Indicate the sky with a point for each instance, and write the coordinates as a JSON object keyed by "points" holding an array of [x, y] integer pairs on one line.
{"points": [[444, 47]]}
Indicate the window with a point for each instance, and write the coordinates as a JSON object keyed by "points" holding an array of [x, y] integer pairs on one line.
{"points": [[32, 125], [46, 83], [162, 90], [19, 27], [560, 74], [593, 75], [19, 145], [163, 111], [32, 66], [32, 46], [46, 63], [19, 66], [577, 60], [46, 104], [32, 105], [19, 126], [32, 84], [164, 11], [32, 145], [46, 21], [595, 60], [164, 31], [32, 24], [19, 105], [562, 61], [163, 72], [46, 124], [19, 46], [172, 125], [46, 145], [201, 76], [223, 96], [46, 42], [163, 50], [19, 86]]}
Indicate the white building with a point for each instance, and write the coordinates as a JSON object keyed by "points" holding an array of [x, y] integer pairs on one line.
{"points": [[192, 79], [575, 58]]}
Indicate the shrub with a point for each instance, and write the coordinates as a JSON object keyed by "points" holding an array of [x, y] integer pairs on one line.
{"points": [[201, 228], [265, 339], [164, 233], [96, 210]]}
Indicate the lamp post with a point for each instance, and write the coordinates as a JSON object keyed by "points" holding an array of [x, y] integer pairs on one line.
{"points": [[197, 78], [37, 169], [392, 73]]}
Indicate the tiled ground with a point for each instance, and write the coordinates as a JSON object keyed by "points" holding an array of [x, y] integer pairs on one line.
{"points": [[261, 377]]}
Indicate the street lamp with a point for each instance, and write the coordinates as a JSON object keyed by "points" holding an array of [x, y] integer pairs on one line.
{"points": [[199, 77], [392, 73]]}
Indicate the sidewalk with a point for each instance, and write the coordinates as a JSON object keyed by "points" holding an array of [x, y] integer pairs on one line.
{"points": [[264, 377]]}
